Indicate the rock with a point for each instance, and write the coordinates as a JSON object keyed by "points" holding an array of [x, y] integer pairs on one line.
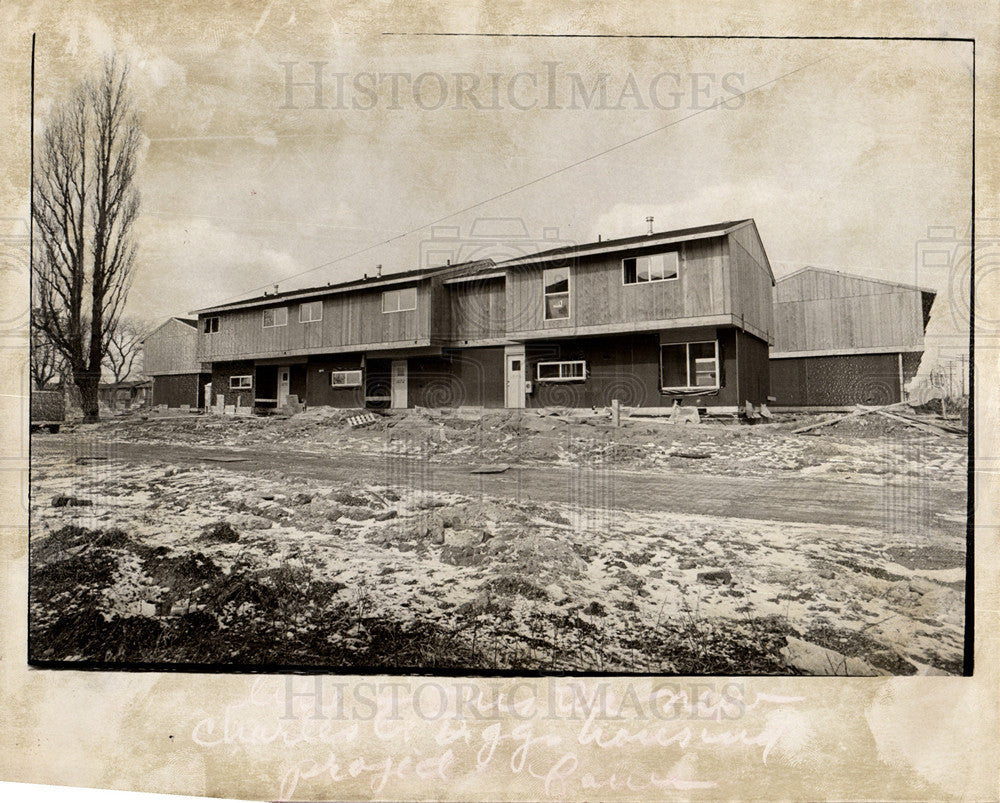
{"points": [[462, 538], [715, 576], [827, 574], [556, 593], [686, 563], [385, 515], [595, 609], [815, 660], [301, 499]]}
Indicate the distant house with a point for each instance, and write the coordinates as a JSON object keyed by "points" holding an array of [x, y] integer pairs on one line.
{"points": [[122, 395], [169, 356], [678, 316], [841, 339]]}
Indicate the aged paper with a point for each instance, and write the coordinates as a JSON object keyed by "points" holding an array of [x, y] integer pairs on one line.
{"points": [[288, 145]]}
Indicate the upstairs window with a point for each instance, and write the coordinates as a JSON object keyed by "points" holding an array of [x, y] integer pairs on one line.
{"points": [[556, 283], [210, 326], [690, 366], [277, 316], [311, 311], [345, 379], [562, 371], [650, 268], [399, 300]]}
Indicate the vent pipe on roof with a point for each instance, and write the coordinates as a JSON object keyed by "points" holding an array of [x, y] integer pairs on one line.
{"points": [[649, 220], [598, 238], [378, 271], [276, 289]]}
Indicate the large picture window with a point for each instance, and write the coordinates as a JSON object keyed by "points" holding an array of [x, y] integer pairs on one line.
{"points": [[278, 316], [556, 282], [562, 371], [399, 300], [650, 268], [690, 366]]}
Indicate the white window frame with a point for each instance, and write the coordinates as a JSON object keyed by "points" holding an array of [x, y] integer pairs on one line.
{"points": [[687, 367], [275, 310], [397, 293], [317, 304], [209, 328], [241, 382], [562, 365], [568, 292], [356, 383], [677, 273]]}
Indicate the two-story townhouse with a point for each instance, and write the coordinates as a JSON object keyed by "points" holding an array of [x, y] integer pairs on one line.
{"points": [[679, 316]]}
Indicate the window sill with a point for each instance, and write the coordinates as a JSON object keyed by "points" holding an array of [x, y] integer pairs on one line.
{"points": [[695, 389], [561, 381]]}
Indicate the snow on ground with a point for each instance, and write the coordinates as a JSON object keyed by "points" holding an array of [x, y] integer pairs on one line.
{"points": [[517, 584]]}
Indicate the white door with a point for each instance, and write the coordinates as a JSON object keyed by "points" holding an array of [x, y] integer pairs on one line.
{"points": [[514, 387], [399, 381], [284, 373]]}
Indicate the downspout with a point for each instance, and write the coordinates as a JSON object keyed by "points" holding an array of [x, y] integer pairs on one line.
{"points": [[900, 356], [737, 370]]}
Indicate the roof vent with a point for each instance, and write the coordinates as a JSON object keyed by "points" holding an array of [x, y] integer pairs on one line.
{"points": [[378, 271], [649, 220], [276, 289]]}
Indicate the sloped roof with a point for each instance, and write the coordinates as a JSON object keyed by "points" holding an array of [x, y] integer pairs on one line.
{"points": [[846, 275], [656, 238], [461, 269]]}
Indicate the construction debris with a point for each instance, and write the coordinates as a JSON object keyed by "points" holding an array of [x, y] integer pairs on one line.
{"points": [[362, 420], [498, 468]]}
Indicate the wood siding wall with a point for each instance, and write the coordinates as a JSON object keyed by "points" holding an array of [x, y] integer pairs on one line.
{"points": [[751, 284], [599, 297], [175, 390], [820, 311], [473, 310], [350, 320], [171, 349], [472, 376]]}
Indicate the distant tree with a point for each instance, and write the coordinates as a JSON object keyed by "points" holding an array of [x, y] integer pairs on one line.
{"points": [[85, 204], [124, 347]]}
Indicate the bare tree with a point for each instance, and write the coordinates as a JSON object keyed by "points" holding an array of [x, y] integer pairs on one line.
{"points": [[84, 204], [47, 364], [124, 346]]}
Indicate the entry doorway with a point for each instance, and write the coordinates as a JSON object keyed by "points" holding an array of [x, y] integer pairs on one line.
{"points": [[514, 387], [399, 384], [284, 384]]}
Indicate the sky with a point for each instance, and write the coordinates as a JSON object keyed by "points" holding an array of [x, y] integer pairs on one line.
{"points": [[854, 156]]}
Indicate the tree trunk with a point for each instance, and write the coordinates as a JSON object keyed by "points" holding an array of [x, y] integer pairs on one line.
{"points": [[87, 382]]}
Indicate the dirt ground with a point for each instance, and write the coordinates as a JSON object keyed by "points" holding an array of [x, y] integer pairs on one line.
{"points": [[231, 555]]}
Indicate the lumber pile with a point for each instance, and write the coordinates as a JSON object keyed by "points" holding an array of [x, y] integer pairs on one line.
{"points": [[894, 412]]}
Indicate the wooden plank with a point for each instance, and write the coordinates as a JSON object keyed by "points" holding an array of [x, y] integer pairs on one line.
{"points": [[857, 412], [931, 428]]}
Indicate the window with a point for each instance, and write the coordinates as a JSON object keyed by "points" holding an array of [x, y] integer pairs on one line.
{"points": [[556, 282], [399, 300], [240, 382], [563, 371], [690, 366], [345, 379], [651, 268], [211, 326], [278, 316], [311, 311]]}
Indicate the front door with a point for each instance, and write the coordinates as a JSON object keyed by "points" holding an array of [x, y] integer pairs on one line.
{"points": [[399, 380], [514, 393], [284, 383]]}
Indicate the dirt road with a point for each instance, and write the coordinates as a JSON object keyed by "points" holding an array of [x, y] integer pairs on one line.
{"points": [[892, 505]]}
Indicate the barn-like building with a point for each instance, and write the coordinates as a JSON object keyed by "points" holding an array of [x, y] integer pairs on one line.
{"points": [[841, 339]]}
